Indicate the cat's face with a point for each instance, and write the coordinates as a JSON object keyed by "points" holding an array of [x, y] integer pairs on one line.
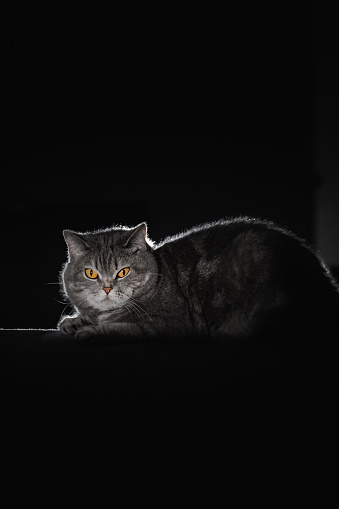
{"points": [[107, 270]]}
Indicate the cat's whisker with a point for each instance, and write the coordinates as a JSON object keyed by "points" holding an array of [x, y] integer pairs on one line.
{"points": [[118, 310], [52, 283], [140, 307], [128, 309], [137, 303], [138, 311]]}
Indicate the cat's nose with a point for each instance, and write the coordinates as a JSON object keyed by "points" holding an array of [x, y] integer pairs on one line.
{"points": [[107, 289]]}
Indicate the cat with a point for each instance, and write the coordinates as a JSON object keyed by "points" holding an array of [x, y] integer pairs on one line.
{"points": [[234, 278]]}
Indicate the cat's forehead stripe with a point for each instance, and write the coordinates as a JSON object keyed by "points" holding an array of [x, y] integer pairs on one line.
{"points": [[106, 245], [105, 261]]}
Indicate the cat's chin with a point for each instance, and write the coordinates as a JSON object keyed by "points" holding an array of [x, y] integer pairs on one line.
{"points": [[106, 304]]}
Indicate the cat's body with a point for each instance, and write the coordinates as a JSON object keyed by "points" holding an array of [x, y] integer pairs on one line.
{"points": [[233, 278]]}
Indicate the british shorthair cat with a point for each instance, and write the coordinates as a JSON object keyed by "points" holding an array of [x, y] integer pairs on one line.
{"points": [[234, 278]]}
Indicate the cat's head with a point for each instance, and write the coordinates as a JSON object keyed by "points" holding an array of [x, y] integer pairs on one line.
{"points": [[107, 268]]}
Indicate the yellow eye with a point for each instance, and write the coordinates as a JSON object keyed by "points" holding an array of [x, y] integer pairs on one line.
{"points": [[91, 273], [123, 272]]}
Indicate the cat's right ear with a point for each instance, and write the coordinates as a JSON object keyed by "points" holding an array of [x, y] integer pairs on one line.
{"points": [[76, 245]]}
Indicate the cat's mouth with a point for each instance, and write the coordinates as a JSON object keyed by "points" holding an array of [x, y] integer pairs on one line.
{"points": [[107, 302]]}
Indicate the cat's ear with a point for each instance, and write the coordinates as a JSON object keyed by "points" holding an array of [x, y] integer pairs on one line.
{"points": [[137, 238], [76, 245]]}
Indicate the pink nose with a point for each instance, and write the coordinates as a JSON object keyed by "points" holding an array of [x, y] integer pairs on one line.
{"points": [[107, 290]]}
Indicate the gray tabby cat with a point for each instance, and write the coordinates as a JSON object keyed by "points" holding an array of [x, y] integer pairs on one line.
{"points": [[229, 279]]}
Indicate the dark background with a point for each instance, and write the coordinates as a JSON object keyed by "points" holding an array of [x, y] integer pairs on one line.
{"points": [[167, 113]]}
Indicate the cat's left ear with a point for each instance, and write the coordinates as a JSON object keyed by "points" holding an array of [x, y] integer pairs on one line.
{"points": [[137, 238], [76, 245]]}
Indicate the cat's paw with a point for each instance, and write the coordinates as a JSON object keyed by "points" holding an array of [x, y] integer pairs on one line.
{"points": [[70, 325], [86, 335]]}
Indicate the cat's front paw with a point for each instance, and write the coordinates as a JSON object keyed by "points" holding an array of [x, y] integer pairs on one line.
{"points": [[70, 325], [86, 335]]}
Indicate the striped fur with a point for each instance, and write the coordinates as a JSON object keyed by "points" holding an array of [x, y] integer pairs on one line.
{"points": [[229, 279]]}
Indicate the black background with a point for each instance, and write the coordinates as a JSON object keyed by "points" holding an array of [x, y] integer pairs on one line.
{"points": [[174, 114]]}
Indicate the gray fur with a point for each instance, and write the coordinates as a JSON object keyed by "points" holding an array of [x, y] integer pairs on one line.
{"points": [[229, 279]]}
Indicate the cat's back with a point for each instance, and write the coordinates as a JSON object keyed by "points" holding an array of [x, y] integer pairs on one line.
{"points": [[211, 238], [234, 250], [247, 249], [241, 269]]}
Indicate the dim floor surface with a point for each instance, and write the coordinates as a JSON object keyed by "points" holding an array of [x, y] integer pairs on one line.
{"points": [[161, 394]]}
